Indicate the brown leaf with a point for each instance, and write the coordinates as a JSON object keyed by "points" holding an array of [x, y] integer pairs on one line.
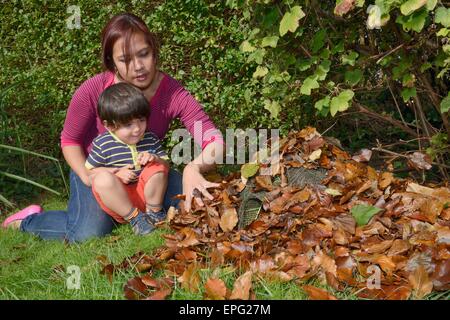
{"points": [[363, 156], [378, 247], [215, 289], [315, 293], [386, 263], [325, 262], [262, 265], [300, 266], [190, 238], [103, 260], [264, 182], [190, 279], [135, 289], [242, 286], [171, 213], [419, 161], [344, 7], [308, 133], [186, 255], [420, 282], [108, 270], [385, 180], [229, 219], [160, 294], [398, 247], [441, 275]]}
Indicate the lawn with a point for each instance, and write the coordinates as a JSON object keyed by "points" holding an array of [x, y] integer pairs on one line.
{"points": [[31, 268], [34, 269]]}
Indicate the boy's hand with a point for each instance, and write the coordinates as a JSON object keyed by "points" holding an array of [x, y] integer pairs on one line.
{"points": [[126, 175], [145, 157]]}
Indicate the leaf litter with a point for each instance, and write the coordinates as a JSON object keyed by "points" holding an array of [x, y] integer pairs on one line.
{"points": [[363, 229]]}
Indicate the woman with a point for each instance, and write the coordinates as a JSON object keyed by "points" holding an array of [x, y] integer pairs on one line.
{"points": [[129, 54]]}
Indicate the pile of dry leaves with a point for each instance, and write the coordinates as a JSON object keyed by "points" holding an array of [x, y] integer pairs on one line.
{"points": [[383, 237]]}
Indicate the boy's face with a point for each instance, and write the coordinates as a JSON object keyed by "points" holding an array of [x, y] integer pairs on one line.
{"points": [[131, 132]]}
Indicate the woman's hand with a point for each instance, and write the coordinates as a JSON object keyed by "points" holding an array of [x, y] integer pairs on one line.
{"points": [[126, 175], [194, 185]]}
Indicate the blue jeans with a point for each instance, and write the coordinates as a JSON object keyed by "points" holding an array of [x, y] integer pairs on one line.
{"points": [[84, 218]]}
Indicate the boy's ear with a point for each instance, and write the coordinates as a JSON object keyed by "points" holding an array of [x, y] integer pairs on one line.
{"points": [[108, 125]]}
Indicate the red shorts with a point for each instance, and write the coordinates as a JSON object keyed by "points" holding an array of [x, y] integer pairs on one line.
{"points": [[135, 190]]}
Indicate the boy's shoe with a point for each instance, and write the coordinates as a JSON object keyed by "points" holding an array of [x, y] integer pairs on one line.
{"points": [[22, 214], [141, 224], [156, 216]]}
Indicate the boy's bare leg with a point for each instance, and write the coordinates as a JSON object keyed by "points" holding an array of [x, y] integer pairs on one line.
{"points": [[111, 191], [154, 191]]}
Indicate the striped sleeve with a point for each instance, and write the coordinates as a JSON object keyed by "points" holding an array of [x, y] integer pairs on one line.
{"points": [[95, 158]]}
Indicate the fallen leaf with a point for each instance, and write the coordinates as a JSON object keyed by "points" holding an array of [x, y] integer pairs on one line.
{"points": [[441, 275], [363, 156], [160, 294], [264, 182], [398, 247], [419, 161], [190, 280], [378, 247], [325, 262], [248, 170], [215, 289], [385, 180], [317, 293], [190, 238], [315, 155], [229, 219], [242, 286], [363, 213], [135, 289], [420, 282]]}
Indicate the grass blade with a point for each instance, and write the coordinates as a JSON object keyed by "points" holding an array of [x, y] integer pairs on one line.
{"points": [[6, 201], [13, 176]]}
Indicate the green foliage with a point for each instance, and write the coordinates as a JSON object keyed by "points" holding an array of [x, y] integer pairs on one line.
{"points": [[363, 213], [289, 22], [252, 64]]}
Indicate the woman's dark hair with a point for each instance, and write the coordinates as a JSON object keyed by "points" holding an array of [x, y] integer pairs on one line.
{"points": [[122, 103], [125, 25]]}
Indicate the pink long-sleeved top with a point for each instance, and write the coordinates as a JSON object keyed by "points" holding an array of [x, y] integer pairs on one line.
{"points": [[170, 101]]}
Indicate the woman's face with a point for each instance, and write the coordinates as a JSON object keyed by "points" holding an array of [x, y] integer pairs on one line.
{"points": [[142, 64]]}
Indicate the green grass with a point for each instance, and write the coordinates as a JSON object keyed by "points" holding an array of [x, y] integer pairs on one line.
{"points": [[31, 268]]}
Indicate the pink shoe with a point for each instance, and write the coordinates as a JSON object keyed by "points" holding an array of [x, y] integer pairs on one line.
{"points": [[22, 214]]}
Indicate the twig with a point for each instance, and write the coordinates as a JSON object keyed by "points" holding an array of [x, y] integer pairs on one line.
{"points": [[405, 156], [387, 119], [396, 103]]}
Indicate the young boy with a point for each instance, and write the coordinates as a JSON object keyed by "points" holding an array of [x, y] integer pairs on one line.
{"points": [[132, 188]]}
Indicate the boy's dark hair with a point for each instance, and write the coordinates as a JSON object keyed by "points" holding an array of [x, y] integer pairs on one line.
{"points": [[121, 103]]}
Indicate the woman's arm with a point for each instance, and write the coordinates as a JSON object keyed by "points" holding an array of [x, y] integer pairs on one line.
{"points": [[76, 159], [192, 174]]}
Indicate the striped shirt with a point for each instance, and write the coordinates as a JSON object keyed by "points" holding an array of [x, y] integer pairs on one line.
{"points": [[110, 151], [170, 101]]}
